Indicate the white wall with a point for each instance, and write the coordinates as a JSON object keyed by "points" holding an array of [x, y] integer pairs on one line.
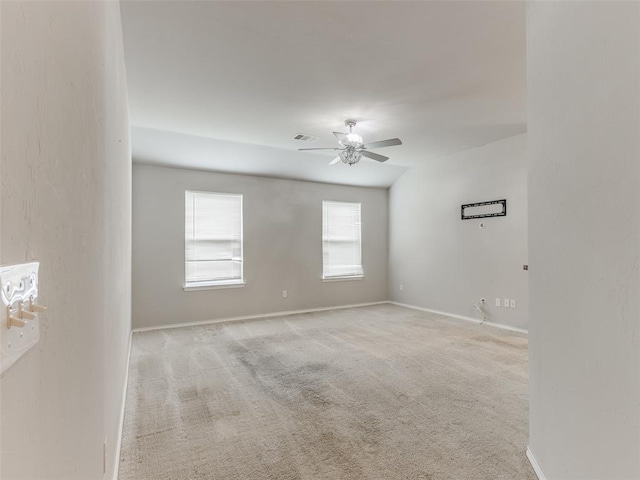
{"points": [[448, 264], [66, 192], [282, 247], [584, 181]]}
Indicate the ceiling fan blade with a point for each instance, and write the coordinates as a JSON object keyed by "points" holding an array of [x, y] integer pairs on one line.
{"points": [[329, 148], [384, 143], [374, 156], [340, 136], [335, 160]]}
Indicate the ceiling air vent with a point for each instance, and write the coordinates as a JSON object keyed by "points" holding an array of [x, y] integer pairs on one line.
{"points": [[301, 137]]}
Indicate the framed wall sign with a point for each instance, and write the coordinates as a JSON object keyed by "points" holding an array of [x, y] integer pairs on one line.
{"points": [[494, 208]]}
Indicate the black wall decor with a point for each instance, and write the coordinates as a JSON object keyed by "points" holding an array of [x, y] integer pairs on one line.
{"points": [[502, 213]]}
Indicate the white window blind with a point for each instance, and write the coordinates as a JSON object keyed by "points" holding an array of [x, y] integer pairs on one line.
{"points": [[213, 239], [341, 245]]}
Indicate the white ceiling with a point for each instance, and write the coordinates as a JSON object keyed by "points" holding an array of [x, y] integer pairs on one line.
{"points": [[172, 149], [442, 76]]}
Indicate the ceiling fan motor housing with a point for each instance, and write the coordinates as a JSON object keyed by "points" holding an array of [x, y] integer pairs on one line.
{"points": [[352, 139]]}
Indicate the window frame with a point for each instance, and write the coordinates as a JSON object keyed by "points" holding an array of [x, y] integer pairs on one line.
{"points": [[341, 278], [215, 284]]}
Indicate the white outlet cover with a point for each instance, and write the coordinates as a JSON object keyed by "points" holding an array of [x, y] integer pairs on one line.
{"points": [[513, 303], [506, 303], [19, 283], [497, 302]]}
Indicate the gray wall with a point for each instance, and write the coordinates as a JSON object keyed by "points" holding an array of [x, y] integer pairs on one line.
{"points": [[448, 264], [66, 196], [282, 247], [584, 179]]}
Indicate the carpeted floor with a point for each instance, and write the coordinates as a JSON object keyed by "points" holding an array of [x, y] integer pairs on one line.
{"points": [[379, 392]]}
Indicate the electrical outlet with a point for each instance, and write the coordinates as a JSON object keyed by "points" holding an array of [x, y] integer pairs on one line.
{"points": [[284, 294], [401, 287], [506, 303], [513, 303], [497, 302]]}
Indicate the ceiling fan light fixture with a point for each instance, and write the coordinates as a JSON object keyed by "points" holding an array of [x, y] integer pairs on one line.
{"points": [[350, 155], [354, 139]]}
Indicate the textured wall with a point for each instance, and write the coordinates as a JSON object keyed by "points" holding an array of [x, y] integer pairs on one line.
{"points": [[282, 247], [584, 182], [66, 183], [448, 264]]}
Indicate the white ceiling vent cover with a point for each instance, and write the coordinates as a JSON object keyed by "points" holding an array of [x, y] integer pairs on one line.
{"points": [[305, 138]]}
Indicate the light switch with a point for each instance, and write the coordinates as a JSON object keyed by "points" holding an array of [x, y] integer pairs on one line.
{"points": [[19, 323]]}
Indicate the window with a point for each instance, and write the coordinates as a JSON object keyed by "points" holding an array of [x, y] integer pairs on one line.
{"points": [[213, 239], [341, 246]]}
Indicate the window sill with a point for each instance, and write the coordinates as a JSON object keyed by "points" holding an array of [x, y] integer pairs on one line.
{"points": [[342, 279], [212, 286]]}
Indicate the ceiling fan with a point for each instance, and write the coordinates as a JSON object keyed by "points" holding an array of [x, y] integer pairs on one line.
{"points": [[352, 148]]}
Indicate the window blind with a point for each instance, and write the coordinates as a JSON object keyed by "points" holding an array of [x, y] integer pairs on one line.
{"points": [[341, 243], [213, 238]]}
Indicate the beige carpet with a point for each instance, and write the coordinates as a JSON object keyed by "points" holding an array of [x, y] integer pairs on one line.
{"points": [[380, 392]]}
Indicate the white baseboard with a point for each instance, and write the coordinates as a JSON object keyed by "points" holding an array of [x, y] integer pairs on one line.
{"points": [[116, 460], [324, 309], [462, 317], [253, 317], [535, 465]]}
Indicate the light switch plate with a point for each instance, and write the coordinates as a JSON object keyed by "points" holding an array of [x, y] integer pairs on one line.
{"points": [[19, 283]]}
